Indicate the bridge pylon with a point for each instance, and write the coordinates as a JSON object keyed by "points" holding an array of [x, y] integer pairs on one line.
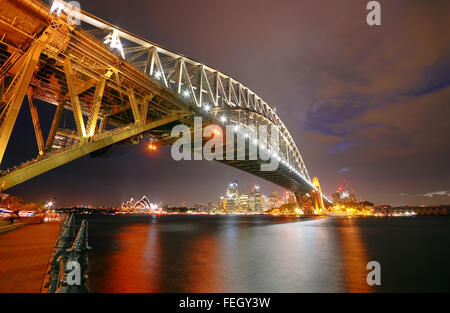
{"points": [[305, 202], [318, 197], [312, 203]]}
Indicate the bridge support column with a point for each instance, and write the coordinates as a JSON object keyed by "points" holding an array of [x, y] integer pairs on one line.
{"points": [[95, 109], [75, 101], [17, 94], [305, 202], [36, 123], [55, 125], [318, 197], [134, 107]]}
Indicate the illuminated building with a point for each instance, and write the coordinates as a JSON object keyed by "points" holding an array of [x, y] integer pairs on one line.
{"points": [[255, 200], [263, 203], [243, 202], [276, 195], [345, 203], [271, 202], [289, 197], [222, 204], [232, 197], [199, 208], [275, 200], [230, 204]]}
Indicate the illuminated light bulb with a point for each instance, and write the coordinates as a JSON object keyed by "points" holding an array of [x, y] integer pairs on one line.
{"points": [[186, 93], [152, 147], [158, 75], [223, 119], [206, 108]]}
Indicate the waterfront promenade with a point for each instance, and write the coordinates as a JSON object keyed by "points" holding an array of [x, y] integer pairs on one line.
{"points": [[24, 256]]}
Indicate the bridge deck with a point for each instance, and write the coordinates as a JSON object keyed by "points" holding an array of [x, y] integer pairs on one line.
{"points": [[24, 256]]}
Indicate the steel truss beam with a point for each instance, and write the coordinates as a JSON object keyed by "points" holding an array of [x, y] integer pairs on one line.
{"points": [[95, 109], [134, 107], [16, 91], [36, 123], [55, 124], [74, 100], [59, 158]]}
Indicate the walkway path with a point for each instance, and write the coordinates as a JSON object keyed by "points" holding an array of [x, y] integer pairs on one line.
{"points": [[24, 256]]}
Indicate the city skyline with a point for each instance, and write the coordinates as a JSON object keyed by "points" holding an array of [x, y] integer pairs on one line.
{"points": [[348, 119]]}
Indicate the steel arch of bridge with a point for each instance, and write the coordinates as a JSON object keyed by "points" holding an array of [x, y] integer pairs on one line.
{"points": [[114, 78], [203, 85]]}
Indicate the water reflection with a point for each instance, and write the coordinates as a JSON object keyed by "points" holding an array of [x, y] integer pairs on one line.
{"points": [[229, 254], [354, 257], [204, 271], [131, 264]]}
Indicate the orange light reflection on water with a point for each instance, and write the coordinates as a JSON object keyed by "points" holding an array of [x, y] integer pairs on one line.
{"points": [[354, 256], [139, 273], [204, 266]]}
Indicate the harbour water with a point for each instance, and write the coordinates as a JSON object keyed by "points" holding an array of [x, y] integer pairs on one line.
{"points": [[267, 254]]}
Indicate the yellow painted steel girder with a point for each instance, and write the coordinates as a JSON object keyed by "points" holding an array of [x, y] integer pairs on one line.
{"points": [[18, 92], [85, 147]]}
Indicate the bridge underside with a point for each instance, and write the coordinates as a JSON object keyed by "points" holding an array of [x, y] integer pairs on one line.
{"points": [[112, 100]]}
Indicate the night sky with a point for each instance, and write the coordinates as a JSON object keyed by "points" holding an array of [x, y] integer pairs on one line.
{"points": [[369, 105]]}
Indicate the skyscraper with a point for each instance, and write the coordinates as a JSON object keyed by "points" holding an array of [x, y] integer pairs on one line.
{"points": [[243, 203], [232, 197], [255, 200], [222, 204]]}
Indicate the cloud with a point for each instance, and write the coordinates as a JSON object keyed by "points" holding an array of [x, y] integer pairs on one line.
{"points": [[436, 193], [344, 170]]}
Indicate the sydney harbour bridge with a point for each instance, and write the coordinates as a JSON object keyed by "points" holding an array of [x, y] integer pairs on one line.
{"points": [[120, 88]]}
